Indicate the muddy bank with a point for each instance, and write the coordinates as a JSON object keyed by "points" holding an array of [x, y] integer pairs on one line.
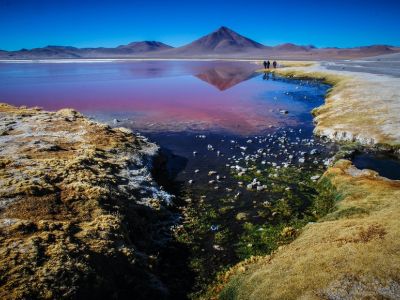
{"points": [[80, 213]]}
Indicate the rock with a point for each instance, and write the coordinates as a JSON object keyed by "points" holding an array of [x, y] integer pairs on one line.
{"points": [[242, 216], [218, 247], [211, 173], [214, 227], [315, 177], [283, 111]]}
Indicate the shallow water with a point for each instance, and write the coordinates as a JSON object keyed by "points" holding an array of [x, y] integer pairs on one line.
{"points": [[386, 165], [160, 95]]}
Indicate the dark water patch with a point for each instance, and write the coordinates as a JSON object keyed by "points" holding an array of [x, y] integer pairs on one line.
{"points": [[385, 164], [225, 220]]}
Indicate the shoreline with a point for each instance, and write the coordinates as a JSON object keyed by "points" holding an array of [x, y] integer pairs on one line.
{"points": [[360, 107]]}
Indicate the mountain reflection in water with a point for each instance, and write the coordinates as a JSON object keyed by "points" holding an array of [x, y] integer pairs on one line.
{"points": [[226, 75]]}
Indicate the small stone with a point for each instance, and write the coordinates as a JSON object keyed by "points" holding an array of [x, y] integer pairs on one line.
{"points": [[218, 247], [214, 227], [315, 177]]}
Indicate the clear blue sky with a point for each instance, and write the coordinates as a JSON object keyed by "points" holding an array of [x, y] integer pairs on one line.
{"points": [[36, 23]]}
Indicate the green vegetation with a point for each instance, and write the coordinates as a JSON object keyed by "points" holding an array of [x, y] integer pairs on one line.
{"points": [[221, 231], [352, 246]]}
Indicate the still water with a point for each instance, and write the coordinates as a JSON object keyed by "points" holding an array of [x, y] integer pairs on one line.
{"points": [[162, 95]]}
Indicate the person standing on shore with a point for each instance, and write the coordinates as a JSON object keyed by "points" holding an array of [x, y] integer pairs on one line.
{"points": [[268, 64], [265, 64], [274, 64]]}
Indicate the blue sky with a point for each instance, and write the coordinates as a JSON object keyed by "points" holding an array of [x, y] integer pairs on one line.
{"points": [[36, 23]]}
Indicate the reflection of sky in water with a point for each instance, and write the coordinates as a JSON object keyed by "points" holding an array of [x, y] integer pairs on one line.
{"points": [[162, 95]]}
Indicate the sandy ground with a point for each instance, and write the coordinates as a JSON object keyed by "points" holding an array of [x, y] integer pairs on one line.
{"points": [[384, 64]]}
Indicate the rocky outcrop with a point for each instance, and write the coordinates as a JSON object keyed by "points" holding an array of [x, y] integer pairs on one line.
{"points": [[80, 214]]}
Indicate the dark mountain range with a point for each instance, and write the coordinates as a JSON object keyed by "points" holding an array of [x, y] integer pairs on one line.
{"points": [[132, 49], [222, 43], [146, 46], [293, 47]]}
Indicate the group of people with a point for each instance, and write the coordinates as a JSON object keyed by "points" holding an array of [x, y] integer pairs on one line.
{"points": [[267, 64]]}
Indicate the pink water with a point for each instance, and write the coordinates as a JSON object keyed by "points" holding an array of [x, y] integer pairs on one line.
{"points": [[157, 95]]}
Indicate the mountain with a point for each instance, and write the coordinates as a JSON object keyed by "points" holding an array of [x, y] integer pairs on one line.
{"points": [[145, 46], [221, 41], [293, 47], [54, 52]]}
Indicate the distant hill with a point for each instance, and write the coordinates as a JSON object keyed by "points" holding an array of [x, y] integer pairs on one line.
{"points": [[221, 43], [146, 46], [49, 52], [293, 47]]}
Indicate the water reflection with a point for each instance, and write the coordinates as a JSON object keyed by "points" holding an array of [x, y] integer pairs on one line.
{"points": [[157, 96], [226, 75]]}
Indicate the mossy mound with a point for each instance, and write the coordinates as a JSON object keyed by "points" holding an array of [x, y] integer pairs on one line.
{"points": [[78, 209]]}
